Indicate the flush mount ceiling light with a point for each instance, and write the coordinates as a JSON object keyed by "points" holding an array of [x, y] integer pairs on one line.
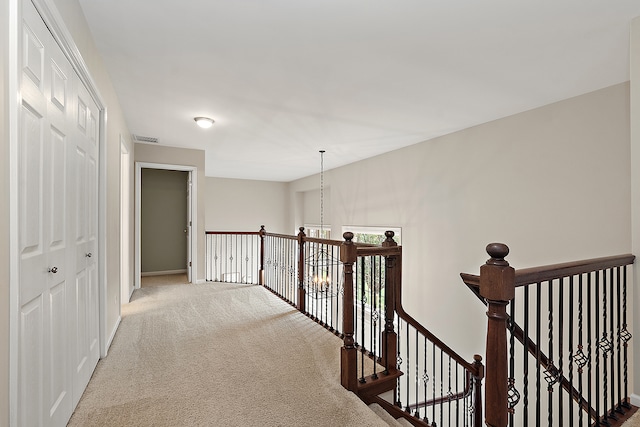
{"points": [[204, 122]]}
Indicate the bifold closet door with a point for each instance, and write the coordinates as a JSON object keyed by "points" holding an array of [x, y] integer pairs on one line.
{"points": [[57, 229]]}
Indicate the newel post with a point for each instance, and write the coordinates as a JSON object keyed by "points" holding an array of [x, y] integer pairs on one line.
{"points": [[262, 233], [348, 352], [392, 277], [497, 286], [301, 272]]}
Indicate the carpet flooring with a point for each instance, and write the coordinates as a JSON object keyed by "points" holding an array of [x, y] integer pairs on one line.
{"points": [[219, 355]]}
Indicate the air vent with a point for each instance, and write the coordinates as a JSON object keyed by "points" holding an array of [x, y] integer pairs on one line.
{"points": [[140, 138]]}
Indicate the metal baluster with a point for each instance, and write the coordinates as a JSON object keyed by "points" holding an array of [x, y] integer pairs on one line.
{"points": [[560, 344], [612, 413], [236, 253], [379, 311], [374, 314], [331, 288], [581, 360], [417, 382], [425, 381], [618, 342], [589, 358], [441, 386], [449, 392], [604, 346], [525, 361], [626, 336], [408, 408], [549, 374], [597, 349], [538, 344], [398, 361], [511, 379], [570, 349], [362, 301], [433, 381], [457, 392]]}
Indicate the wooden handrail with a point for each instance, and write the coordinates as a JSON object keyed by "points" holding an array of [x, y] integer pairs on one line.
{"points": [[528, 276], [495, 287]]}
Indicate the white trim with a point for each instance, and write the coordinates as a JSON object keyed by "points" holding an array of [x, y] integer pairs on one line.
{"points": [[635, 399], [14, 262], [163, 273], [194, 216], [112, 335]]}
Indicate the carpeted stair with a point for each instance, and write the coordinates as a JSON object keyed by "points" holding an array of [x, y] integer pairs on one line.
{"points": [[386, 417]]}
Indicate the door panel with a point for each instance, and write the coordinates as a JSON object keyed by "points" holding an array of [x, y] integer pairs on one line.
{"points": [[57, 226], [31, 380]]}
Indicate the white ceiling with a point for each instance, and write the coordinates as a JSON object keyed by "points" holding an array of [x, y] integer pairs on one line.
{"points": [[286, 78]]}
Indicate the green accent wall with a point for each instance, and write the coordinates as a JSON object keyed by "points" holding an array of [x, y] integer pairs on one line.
{"points": [[163, 220]]}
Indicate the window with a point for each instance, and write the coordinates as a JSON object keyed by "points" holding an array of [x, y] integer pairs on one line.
{"points": [[316, 231], [372, 235]]}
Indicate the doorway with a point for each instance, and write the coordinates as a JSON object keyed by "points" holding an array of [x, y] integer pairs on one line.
{"points": [[164, 251]]}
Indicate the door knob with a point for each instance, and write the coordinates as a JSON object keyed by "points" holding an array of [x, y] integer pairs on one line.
{"points": [[89, 255], [53, 270]]}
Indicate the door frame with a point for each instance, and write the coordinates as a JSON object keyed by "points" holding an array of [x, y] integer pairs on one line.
{"points": [[192, 244], [56, 25]]}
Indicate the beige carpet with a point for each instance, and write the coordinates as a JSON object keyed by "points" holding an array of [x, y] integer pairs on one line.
{"points": [[634, 421], [219, 355]]}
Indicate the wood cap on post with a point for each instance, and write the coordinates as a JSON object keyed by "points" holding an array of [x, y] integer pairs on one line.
{"points": [[389, 239], [497, 278], [348, 250]]}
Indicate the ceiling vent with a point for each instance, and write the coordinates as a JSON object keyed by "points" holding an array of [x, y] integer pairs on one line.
{"points": [[140, 138]]}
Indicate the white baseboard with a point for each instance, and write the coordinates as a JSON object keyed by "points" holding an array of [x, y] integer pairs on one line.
{"points": [[112, 336], [201, 282], [635, 399], [163, 273]]}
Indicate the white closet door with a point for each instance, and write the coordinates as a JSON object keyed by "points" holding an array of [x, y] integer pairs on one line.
{"points": [[58, 298], [85, 234]]}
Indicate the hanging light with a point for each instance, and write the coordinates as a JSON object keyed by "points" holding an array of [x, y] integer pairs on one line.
{"points": [[320, 263]]}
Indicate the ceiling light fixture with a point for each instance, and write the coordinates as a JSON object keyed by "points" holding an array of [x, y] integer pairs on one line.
{"points": [[204, 122]]}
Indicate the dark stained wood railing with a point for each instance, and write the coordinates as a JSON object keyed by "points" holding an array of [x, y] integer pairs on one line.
{"points": [[430, 383], [355, 291], [582, 317]]}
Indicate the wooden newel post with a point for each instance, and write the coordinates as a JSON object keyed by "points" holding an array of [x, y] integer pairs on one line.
{"points": [[392, 281], [262, 233], [348, 353], [301, 272], [497, 286]]}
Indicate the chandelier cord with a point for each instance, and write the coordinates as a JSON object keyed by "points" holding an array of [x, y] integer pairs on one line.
{"points": [[321, 194]]}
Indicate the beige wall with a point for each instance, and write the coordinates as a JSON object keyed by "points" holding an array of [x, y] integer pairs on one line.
{"points": [[635, 193], [185, 157], [553, 183], [4, 215], [245, 205]]}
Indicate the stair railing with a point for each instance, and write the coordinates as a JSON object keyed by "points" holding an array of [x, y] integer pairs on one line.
{"points": [[304, 271], [355, 291], [567, 325], [389, 358]]}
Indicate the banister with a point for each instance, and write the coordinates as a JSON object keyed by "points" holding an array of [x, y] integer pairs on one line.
{"points": [[527, 276], [495, 286]]}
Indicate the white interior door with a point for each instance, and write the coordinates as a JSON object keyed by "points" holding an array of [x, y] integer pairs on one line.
{"points": [[189, 226], [85, 291], [57, 220]]}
